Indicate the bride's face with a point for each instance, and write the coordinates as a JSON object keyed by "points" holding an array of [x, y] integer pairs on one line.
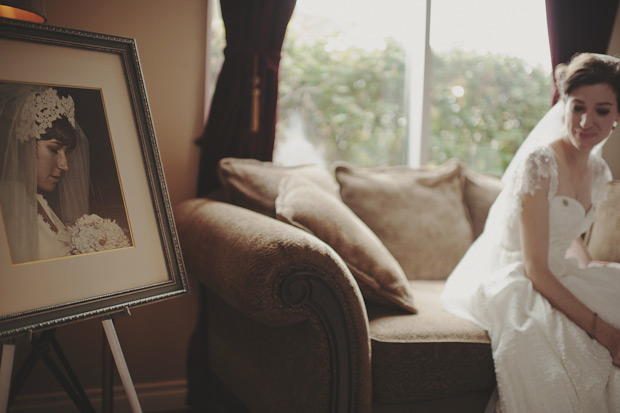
{"points": [[590, 113], [51, 164]]}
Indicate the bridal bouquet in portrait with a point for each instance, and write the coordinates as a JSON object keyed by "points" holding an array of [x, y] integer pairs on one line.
{"points": [[91, 233]]}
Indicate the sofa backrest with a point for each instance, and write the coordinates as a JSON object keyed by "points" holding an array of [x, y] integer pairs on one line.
{"points": [[426, 217]]}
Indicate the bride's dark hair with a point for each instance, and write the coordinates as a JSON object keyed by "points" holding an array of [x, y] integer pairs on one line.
{"points": [[588, 69], [62, 131]]}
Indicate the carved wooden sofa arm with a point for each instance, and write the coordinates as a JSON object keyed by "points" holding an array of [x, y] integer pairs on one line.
{"points": [[285, 310]]}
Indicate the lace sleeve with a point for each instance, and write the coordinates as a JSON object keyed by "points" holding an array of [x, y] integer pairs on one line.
{"points": [[601, 174], [539, 165]]}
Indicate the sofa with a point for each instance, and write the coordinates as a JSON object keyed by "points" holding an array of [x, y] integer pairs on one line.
{"points": [[320, 288]]}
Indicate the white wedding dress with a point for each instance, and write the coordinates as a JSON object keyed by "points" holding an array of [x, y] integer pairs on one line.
{"points": [[51, 244], [543, 361]]}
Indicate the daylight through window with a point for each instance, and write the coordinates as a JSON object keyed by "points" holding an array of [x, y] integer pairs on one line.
{"points": [[354, 85]]}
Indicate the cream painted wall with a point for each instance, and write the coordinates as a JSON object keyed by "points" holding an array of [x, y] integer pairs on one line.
{"points": [[611, 150], [171, 40]]}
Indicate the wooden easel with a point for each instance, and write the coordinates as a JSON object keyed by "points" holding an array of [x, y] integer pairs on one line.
{"points": [[41, 347]]}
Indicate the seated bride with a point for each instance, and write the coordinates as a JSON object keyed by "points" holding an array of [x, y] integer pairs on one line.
{"points": [[553, 315]]}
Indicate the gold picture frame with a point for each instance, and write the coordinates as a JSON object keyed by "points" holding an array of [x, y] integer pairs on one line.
{"points": [[102, 74]]}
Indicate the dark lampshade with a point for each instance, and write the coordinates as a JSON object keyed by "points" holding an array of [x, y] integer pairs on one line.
{"points": [[30, 10]]}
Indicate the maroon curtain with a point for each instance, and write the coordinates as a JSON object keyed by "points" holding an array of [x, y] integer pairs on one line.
{"points": [[241, 124], [579, 26], [241, 120]]}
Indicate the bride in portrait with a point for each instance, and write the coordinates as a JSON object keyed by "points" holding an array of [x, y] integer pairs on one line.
{"points": [[44, 178], [553, 314], [44, 170]]}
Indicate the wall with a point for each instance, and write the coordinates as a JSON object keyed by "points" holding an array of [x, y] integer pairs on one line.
{"points": [[171, 40], [611, 150]]}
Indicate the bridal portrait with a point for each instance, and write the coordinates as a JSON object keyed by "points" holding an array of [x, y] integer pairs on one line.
{"points": [[60, 194]]}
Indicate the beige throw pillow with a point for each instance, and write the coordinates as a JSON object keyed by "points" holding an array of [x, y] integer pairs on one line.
{"points": [[603, 239], [480, 193], [380, 278], [419, 214], [254, 184]]}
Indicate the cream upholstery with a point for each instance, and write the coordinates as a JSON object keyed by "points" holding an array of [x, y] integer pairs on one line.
{"points": [[287, 327]]}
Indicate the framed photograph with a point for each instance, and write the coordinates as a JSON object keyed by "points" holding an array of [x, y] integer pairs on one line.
{"points": [[86, 225]]}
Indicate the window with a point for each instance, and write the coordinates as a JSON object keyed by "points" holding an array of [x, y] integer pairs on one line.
{"points": [[346, 79], [490, 80], [410, 82]]}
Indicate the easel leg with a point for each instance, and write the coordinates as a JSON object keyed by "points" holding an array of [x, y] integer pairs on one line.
{"points": [[6, 366], [42, 348], [121, 365], [68, 380], [107, 377]]}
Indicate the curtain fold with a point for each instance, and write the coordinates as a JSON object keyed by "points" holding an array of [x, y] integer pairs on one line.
{"points": [[241, 123], [578, 26], [242, 116]]}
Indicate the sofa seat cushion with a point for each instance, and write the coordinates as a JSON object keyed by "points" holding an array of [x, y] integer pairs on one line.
{"points": [[430, 355]]}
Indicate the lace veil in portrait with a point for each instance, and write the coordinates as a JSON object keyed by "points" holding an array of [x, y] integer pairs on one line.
{"points": [[26, 110]]}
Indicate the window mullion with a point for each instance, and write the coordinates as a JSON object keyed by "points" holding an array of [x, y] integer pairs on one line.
{"points": [[419, 75]]}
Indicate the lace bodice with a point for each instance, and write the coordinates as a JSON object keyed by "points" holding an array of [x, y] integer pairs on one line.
{"points": [[527, 179], [541, 164]]}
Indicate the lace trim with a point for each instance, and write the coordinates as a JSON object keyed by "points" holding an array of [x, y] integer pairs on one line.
{"points": [[527, 179], [47, 224], [41, 110], [62, 233], [539, 165]]}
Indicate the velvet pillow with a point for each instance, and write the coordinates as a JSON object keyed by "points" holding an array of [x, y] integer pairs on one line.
{"points": [[419, 214], [254, 184], [480, 193], [380, 278], [603, 239]]}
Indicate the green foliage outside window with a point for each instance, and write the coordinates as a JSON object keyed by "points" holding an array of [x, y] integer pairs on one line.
{"points": [[502, 100], [350, 101], [351, 105]]}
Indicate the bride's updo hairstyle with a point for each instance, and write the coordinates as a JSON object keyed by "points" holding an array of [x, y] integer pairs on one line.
{"points": [[588, 69], [62, 131]]}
